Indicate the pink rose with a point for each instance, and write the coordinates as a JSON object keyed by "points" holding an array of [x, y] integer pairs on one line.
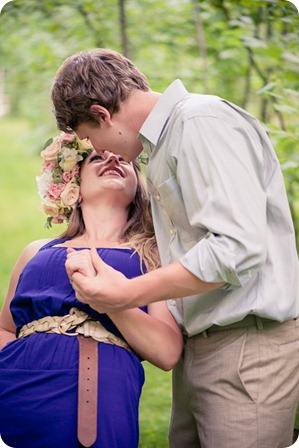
{"points": [[59, 219], [76, 171], [48, 166], [55, 190], [67, 177], [65, 138]]}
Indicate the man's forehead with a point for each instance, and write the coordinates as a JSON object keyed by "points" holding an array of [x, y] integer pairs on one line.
{"points": [[80, 130]]}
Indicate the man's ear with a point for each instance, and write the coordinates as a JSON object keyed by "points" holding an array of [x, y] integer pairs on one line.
{"points": [[101, 113]]}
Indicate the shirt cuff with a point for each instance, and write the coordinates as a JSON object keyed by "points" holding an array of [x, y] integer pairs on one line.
{"points": [[213, 266]]}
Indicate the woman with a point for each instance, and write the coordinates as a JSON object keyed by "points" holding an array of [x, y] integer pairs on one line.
{"points": [[41, 398]]}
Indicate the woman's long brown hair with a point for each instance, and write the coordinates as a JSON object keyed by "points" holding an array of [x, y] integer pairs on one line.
{"points": [[138, 232]]}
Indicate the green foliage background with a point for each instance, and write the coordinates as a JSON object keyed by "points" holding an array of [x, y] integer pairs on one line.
{"points": [[245, 51]]}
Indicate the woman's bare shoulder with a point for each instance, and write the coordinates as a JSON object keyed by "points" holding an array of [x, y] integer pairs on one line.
{"points": [[32, 248]]}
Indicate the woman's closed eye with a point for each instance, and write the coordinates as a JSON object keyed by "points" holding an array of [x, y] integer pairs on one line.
{"points": [[100, 158], [96, 157], [122, 160]]}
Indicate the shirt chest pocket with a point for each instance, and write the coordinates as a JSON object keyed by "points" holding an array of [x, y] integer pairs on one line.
{"points": [[168, 196]]}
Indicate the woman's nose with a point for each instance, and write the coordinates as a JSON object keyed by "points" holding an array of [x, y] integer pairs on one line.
{"points": [[111, 157]]}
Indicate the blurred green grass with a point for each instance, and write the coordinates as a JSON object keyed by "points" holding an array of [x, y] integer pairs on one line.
{"points": [[22, 222], [155, 408], [21, 219]]}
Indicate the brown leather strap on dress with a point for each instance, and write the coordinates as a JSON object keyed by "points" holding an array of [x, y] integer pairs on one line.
{"points": [[87, 390]]}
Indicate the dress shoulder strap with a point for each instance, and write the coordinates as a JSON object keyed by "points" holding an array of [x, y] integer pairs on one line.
{"points": [[53, 243]]}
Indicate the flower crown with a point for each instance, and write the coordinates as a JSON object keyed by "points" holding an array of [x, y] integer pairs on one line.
{"points": [[58, 185]]}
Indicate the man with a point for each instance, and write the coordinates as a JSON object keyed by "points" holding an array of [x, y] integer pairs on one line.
{"points": [[226, 241]]}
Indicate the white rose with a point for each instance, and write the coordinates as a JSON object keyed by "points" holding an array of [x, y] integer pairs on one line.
{"points": [[50, 153], [43, 183], [50, 208], [84, 145], [70, 195], [70, 159]]}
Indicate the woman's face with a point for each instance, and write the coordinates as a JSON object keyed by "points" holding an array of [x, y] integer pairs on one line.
{"points": [[108, 175]]}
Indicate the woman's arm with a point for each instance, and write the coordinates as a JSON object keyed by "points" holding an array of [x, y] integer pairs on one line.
{"points": [[109, 291], [154, 336], [7, 325]]}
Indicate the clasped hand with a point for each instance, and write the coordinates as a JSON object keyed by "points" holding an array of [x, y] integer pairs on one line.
{"points": [[96, 283]]}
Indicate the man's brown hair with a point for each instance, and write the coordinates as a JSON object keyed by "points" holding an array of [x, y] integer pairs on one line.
{"points": [[99, 76]]}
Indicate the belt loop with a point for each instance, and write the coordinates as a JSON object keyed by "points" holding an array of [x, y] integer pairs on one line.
{"points": [[259, 323], [205, 334]]}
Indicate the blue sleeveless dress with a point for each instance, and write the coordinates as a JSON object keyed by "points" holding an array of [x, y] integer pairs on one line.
{"points": [[39, 374]]}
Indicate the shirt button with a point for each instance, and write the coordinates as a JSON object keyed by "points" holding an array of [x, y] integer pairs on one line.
{"points": [[158, 197], [173, 302], [171, 231]]}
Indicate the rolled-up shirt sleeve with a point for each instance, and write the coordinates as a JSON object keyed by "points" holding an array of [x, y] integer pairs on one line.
{"points": [[219, 170]]}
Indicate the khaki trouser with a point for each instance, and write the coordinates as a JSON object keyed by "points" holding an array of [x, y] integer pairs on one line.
{"points": [[237, 388]]}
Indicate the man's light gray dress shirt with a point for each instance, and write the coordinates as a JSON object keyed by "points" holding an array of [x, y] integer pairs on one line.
{"points": [[220, 208]]}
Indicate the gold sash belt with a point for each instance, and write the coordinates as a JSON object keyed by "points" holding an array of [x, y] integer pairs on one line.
{"points": [[76, 320]]}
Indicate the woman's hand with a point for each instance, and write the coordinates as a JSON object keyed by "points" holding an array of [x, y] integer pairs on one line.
{"points": [[79, 261], [96, 283]]}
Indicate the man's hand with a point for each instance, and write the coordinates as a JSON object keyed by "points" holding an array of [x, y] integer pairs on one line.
{"points": [[96, 283]]}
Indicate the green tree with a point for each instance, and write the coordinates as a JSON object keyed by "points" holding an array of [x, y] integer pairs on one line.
{"points": [[245, 51]]}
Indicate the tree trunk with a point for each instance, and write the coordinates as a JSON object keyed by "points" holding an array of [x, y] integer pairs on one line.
{"points": [[201, 42], [123, 27]]}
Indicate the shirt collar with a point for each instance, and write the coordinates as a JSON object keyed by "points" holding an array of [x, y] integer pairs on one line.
{"points": [[155, 122]]}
